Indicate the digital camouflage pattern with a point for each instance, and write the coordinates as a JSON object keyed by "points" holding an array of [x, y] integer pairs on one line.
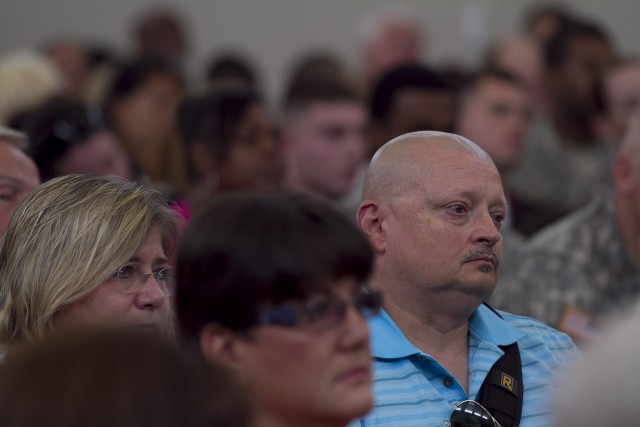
{"points": [[558, 176], [577, 266]]}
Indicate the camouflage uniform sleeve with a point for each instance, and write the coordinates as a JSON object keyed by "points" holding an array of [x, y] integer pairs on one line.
{"points": [[544, 283]]}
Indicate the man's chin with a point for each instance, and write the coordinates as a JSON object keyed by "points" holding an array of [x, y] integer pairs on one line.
{"points": [[479, 289]]}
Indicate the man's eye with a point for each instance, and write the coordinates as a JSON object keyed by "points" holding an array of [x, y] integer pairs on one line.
{"points": [[500, 109], [499, 218], [335, 133], [458, 209]]}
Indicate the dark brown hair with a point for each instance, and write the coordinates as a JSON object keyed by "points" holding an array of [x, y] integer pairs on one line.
{"points": [[115, 378], [245, 250]]}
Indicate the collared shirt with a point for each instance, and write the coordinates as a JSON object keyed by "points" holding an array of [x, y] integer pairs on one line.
{"points": [[577, 267], [411, 388]]}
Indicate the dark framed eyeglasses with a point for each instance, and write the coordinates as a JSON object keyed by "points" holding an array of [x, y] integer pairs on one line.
{"points": [[131, 279], [321, 312], [471, 414]]}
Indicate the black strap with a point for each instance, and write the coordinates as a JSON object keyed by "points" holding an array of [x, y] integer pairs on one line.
{"points": [[502, 391]]}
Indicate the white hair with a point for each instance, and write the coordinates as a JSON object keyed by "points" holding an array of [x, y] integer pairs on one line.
{"points": [[27, 78]]}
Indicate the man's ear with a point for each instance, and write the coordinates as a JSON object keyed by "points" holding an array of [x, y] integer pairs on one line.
{"points": [[370, 218]]}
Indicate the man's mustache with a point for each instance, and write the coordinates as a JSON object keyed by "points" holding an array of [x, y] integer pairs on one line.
{"points": [[482, 253]]}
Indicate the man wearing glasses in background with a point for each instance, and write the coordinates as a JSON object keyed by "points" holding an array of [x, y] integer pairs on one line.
{"points": [[432, 208]]}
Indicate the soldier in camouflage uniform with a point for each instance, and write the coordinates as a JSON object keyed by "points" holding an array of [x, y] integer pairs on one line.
{"points": [[556, 176], [565, 161], [579, 270]]}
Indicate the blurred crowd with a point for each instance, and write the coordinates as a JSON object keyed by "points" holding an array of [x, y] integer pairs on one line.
{"points": [[555, 107]]}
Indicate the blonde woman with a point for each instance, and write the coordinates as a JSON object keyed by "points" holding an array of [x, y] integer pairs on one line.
{"points": [[84, 250]]}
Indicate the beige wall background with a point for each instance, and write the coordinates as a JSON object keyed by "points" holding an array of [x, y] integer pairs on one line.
{"points": [[274, 32]]}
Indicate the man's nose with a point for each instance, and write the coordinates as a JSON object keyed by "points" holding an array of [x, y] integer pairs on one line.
{"points": [[486, 230]]}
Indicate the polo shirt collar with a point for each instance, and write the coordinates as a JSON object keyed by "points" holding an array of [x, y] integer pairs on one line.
{"points": [[487, 325], [388, 341]]}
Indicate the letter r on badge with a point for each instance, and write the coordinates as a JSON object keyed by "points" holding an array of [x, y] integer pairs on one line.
{"points": [[507, 382]]}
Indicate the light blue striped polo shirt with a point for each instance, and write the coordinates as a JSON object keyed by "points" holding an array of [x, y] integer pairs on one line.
{"points": [[413, 389]]}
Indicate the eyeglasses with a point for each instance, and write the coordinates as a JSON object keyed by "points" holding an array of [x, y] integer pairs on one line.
{"points": [[322, 312], [471, 414], [131, 279]]}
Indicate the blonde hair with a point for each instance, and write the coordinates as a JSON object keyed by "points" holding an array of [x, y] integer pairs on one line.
{"points": [[67, 238]]}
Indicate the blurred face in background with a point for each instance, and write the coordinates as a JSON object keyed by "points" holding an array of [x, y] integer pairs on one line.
{"points": [[326, 145], [254, 159], [622, 92], [522, 57], [162, 33], [397, 42], [495, 115], [72, 60], [100, 154], [584, 64], [18, 176], [148, 114]]}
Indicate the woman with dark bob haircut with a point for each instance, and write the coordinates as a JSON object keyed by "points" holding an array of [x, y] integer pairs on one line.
{"points": [[273, 285]]}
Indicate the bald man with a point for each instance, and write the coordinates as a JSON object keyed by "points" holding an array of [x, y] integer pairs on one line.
{"points": [[581, 270], [18, 174], [432, 207]]}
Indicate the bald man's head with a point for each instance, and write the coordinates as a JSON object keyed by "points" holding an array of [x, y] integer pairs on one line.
{"points": [[432, 202], [396, 165]]}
